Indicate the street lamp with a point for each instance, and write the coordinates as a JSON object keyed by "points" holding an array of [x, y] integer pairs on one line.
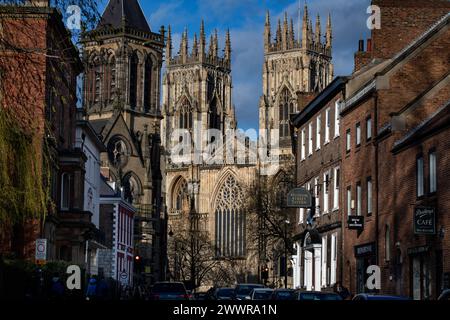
{"points": [[287, 223]]}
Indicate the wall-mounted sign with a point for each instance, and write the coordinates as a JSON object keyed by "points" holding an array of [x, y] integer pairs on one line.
{"points": [[356, 222], [424, 220], [369, 249], [299, 198], [41, 251]]}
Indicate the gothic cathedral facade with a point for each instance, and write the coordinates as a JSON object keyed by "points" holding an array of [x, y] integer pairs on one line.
{"points": [[197, 95]]}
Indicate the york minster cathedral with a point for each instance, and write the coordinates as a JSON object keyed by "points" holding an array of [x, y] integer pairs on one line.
{"points": [[138, 111]]}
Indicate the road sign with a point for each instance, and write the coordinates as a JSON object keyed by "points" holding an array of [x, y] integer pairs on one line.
{"points": [[299, 198], [41, 251]]}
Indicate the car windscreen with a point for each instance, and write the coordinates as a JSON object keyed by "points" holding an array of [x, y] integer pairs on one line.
{"points": [[330, 297], [284, 295], [309, 296], [225, 293], [262, 295], [245, 289], [169, 288]]}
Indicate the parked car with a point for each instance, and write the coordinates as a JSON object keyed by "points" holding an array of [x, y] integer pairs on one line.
{"points": [[261, 294], [317, 296], [283, 294], [223, 294], [242, 291], [445, 295], [169, 291], [374, 297], [200, 296]]}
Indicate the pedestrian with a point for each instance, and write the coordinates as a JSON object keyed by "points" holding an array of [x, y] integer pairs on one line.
{"points": [[342, 291], [57, 289], [91, 291], [102, 290]]}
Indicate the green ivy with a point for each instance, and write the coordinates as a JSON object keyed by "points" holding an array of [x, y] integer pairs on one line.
{"points": [[24, 173]]}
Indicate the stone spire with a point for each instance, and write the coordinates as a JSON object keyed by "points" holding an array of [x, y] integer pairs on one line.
{"points": [[228, 47], [318, 30], [279, 36], [305, 34], [216, 44], [169, 45], [329, 34], [202, 41], [285, 32], [267, 33], [184, 46], [195, 46], [291, 35], [310, 32]]}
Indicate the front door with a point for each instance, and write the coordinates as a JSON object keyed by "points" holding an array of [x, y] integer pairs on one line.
{"points": [[420, 277]]}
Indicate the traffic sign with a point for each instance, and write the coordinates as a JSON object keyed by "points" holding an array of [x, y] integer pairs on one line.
{"points": [[41, 251]]}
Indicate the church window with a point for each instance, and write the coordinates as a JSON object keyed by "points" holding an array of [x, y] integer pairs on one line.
{"points": [[97, 82], [286, 108], [112, 85], [186, 116], [118, 153], [181, 196], [131, 189], [148, 83], [133, 80], [230, 220]]}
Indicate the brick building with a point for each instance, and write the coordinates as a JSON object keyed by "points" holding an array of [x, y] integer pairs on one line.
{"points": [[395, 152], [317, 146], [39, 59]]}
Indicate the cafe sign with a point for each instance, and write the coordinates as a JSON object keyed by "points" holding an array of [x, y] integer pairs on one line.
{"points": [[299, 198], [424, 220], [356, 222]]}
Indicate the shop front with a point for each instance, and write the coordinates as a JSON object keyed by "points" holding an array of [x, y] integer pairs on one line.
{"points": [[366, 256]]}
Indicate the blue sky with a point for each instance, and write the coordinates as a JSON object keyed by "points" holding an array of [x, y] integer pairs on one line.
{"points": [[245, 19]]}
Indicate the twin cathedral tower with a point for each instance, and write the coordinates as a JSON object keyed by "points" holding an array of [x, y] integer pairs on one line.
{"points": [[135, 116]]}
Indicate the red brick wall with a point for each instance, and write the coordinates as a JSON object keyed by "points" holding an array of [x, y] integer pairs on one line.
{"points": [[37, 64], [402, 21]]}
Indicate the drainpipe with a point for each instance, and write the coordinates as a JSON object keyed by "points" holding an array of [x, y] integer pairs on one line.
{"points": [[377, 214]]}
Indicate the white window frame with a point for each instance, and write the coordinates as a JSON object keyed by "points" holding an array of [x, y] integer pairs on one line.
{"points": [[327, 125], [358, 134], [303, 141], [326, 192], [318, 132], [310, 139], [336, 185], [348, 141], [369, 196], [333, 263], [433, 171], [368, 128], [337, 119], [349, 201], [420, 177], [359, 199], [317, 195], [324, 261]]}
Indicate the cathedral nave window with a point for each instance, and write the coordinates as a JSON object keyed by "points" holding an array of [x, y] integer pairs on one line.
{"points": [[230, 221]]}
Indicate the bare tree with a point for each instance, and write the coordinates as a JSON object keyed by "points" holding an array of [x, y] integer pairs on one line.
{"points": [[273, 220]]}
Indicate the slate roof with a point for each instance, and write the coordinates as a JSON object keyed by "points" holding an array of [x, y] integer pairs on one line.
{"points": [[128, 10]]}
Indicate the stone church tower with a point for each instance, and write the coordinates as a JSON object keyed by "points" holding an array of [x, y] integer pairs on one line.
{"points": [[197, 86], [122, 101], [294, 70]]}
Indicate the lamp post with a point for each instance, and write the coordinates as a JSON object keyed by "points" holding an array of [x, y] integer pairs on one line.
{"points": [[287, 223]]}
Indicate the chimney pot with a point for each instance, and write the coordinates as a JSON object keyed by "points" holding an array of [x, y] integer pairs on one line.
{"points": [[361, 46], [369, 45]]}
